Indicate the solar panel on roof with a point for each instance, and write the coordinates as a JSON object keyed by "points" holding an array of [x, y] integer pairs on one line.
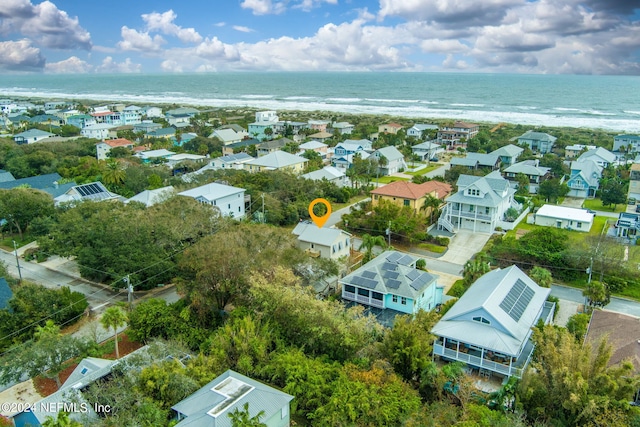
{"points": [[420, 281], [413, 274], [356, 280], [517, 299], [405, 260], [369, 274], [393, 284], [368, 283], [388, 266], [394, 257], [391, 275]]}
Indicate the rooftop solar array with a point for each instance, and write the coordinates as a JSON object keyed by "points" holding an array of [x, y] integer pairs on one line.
{"points": [[419, 282], [413, 274], [517, 300], [405, 260], [394, 257], [391, 275], [393, 284], [92, 189], [369, 274], [364, 282], [389, 266]]}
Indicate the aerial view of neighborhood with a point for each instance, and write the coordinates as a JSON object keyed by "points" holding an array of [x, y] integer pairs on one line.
{"points": [[161, 265]]}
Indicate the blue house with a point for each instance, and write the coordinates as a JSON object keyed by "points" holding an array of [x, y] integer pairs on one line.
{"points": [[48, 183], [584, 179], [392, 281], [5, 293], [352, 146], [538, 142]]}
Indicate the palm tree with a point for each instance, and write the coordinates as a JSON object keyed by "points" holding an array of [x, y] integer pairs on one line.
{"points": [[431, 204], [243, 419], [113, 174], [62, 420], [368, 242], [114, 317]]}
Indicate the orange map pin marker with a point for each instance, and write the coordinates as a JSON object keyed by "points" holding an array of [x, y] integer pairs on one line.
{"points": [[320, 220]]}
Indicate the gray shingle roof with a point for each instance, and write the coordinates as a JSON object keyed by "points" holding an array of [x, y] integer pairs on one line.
{"points": [[493, 187], [325, 236], [277, 159], [390, 153], [47, 183], [212, 191], [259, 396], [509, 150], [495, 296], [391, 272], [598, 154], [539, 136], [528, 167]]}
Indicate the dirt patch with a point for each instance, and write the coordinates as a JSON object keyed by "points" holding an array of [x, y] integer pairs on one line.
{"points": [[521, 232], [48, 386], [125, 346]]}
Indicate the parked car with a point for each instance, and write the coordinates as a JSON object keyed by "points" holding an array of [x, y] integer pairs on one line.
{"points": [[632, 201], [638, 208]]}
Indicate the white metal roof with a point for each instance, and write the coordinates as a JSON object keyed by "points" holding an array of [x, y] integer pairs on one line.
{"points": [[563, 212]]}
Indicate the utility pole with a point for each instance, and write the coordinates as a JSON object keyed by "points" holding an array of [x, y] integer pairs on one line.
{"points": [[389, 232], [263, 218], [127, 280], [15, 251]]}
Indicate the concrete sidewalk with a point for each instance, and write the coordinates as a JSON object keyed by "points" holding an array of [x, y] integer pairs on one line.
{"points": [[464, 245]]}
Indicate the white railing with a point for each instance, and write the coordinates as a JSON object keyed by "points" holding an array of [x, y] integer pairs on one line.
{"points": [[478, 361], [349, 295], [446, 224], [471, 215]]}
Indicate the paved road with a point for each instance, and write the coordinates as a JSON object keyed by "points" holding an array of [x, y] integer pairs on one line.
{"points": [[619, 305], [336, 216]]}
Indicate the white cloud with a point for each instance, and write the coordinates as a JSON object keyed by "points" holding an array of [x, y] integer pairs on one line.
{"points": [[20, 55], [214, 49], [110, 66], [264, 7], [163, 23], [134, 40], [243, 29], [72, 65], [307, 5], [219, 24], [44, 23], [171, 66], [443, 46]]}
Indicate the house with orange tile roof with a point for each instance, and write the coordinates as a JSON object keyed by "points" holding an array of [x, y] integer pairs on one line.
{"points": [[404, 193], [392, 128], [103, 148]]}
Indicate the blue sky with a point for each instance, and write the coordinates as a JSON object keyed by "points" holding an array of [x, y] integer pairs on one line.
{"points": [[525, 36]]}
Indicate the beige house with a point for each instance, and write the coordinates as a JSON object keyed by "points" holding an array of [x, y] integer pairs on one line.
{"points": [[404, 193], [634, 181], [278, 160], [392, 128], [330, 243]]}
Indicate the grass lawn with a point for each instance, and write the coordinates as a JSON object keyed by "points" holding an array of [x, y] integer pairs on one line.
{"points": [[389, 179], [422, 171], [354, 199], [7, 242], [596, 205], [432, 248]]}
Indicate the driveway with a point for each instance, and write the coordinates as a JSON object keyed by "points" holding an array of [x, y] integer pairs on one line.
{"points": [[573, 202], [464, 245]]}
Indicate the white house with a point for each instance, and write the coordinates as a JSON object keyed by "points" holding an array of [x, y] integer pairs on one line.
{"points": [[152, 112], [30, 136], [97, 131], [232, 161], [94, 191], [601, 156], [479, 204], [489, 328], [538, 142], [174, 160], [427, 150], [392, 281], [330, 243], [628, 143], [152, 197], [394, 160], [418, 130], [330, 173], [229, 200], [564, 217], [227, 136], [343, 128]]}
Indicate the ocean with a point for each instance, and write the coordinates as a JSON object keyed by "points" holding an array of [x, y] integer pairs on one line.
{"points": [[600, 102]]}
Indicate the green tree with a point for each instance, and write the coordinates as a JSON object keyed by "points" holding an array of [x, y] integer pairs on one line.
{"points": [[62, 420], [431, 205], [113, 173], [244, 419], [597, 294], [613, 193], [552, 189], [368, 243], [475, 268], [268, 133], [20, 206], [541, 276], [578, 324], [315, 160], [113, 318], [523, 184]]}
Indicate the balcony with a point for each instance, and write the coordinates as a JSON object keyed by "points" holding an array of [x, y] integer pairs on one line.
{"points": [[362, 299], [471, 215]]}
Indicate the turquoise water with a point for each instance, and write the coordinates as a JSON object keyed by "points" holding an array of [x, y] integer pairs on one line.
{"points": [[608, 102]]}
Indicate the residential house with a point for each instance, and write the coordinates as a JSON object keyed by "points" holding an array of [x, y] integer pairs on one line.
{"points": [[479, 205], [227, 136], [49, 183], [152, 112], [237, 129], [428, 150], [321, 136], [419, 131], [295, 127], [94, 191], [319, 125], [394, 160], [278, 160], [601, 156], [352, 146], [621, 332], [164, 133], [564, 217], [272, 146], [489, 328], [330, 173], [634, 181], [405, 193], [535, 173], [229, 200], [146, 126], [392, 281], [391, 128], [53, 105], [325, 242], [264, 120], [80, 120], [241, 146], [30, 136], [176, 159], [47, 120], [153, 197], [628, 225], [104, 148], [232, 161], [345, 162], [626, 143], [573, 151], [180, 117], [6, 176], [317, 146], [97, 131], [477, 160], [5, 293], [508, 154], [154, 155], [584, 179], [180, 139], [538, 142], [457, 134], [113, 132], [343, 128], [211, 405]]}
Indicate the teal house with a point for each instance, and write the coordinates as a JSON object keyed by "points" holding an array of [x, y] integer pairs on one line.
{"points": [[392, 281], [211, 405]]}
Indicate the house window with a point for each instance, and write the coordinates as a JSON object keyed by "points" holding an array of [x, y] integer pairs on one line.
{"points": [[403, 301], [486, 210], [394, 298], [229, 206], [579, 225], [363, 292], [481, 320], [349, 288], [406, 202], [376, 296], [376, 197]]}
